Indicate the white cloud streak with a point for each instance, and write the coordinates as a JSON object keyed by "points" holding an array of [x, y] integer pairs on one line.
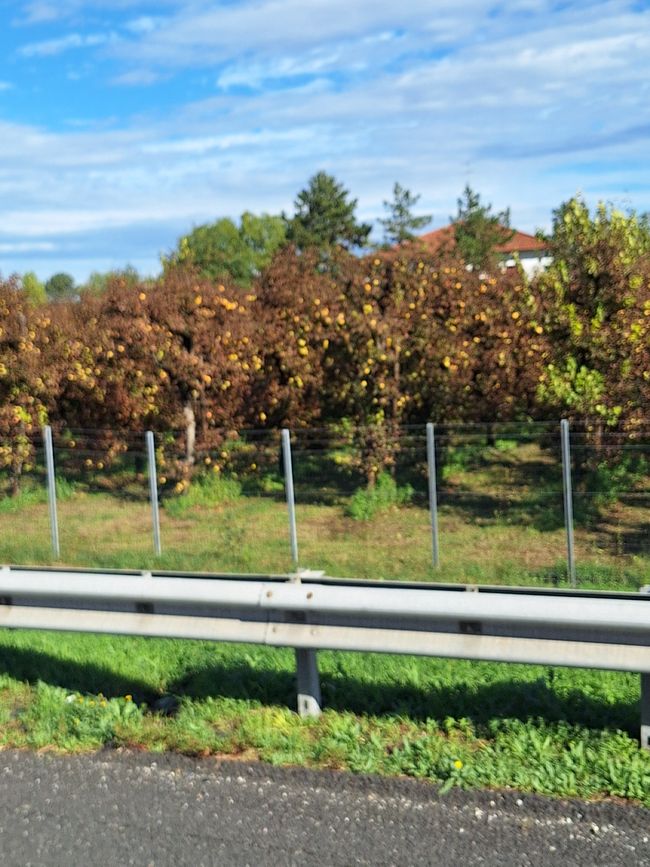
{"points": [[52, 47]]}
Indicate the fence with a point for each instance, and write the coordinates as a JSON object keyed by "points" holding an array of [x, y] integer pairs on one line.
{"points": [[501, 503]]}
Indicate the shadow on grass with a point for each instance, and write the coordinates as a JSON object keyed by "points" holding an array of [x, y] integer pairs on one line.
{"points": [[506, 699], [32, 666], [480, 704]]}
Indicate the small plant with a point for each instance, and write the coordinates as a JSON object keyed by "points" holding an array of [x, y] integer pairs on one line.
{"points": [[461, 458], [34, 496], [510, 445], [608, 481], [205, 492], [365, 503]]}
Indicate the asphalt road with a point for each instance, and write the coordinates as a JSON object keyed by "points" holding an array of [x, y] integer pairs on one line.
{"points": [[116, 808]]}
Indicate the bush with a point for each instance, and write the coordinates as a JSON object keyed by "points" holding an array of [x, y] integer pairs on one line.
{"points": [[204, 492], [607, 482], [367, 502]]}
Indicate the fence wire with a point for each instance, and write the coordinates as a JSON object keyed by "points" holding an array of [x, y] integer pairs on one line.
{"points": [[499, 506]]}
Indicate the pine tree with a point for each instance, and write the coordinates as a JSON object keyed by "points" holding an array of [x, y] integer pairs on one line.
{"points": [[324, 217], [401, 224], [478, 231]]}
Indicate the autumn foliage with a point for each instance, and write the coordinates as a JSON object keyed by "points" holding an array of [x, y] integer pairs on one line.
{"points": [[396, 338]]}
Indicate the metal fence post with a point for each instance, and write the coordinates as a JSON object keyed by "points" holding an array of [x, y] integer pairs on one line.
{"points": [[309, 695], [433, 493], [153, 492], [51, 490], [568, 500], [645, 711], [288, 487]]}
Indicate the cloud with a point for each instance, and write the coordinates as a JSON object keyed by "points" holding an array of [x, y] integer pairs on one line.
{"points": [[26, 247], [5, 85], [143, 24], [137, 78], [52, 47], [40, 12]]}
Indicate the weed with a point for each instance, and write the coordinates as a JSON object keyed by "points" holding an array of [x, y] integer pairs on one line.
{"points": [[365, 503], [205, 492]]}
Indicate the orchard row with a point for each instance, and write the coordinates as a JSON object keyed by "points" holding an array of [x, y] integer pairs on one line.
{"points": [[394, 338]]}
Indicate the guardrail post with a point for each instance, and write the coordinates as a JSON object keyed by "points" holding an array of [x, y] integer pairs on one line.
{"points": [[153, 492], [568, 500], [309, 696], [645, 711], [433, 494], [288, 487], [51, 491]]}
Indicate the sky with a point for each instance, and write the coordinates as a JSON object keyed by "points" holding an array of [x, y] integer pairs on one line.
{"points": [[124, 123]]}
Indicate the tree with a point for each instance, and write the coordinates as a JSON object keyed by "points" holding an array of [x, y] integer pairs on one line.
{"points": [[33, 288], [324, 217], [170, 355], [225, 249], [298, 306], [99, 281], [597, 298], [25, 386], [401, 224], [478, 231], [60, 286]]}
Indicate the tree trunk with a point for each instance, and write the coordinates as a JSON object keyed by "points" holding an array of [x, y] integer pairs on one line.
{"points": [[190, 434]]}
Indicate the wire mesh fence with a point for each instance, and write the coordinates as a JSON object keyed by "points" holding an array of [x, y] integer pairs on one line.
{"points": [[494, 510]]}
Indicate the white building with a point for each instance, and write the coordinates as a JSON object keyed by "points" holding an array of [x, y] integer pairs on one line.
{"points": [[532, 253]]}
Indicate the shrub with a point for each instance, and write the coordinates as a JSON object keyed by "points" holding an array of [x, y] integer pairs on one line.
{"points": [[367, 502], [204, 492]]}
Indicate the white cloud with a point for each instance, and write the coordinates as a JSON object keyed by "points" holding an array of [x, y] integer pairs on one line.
{"points": [[40, 12], [26, 247], [5, 85], [137, 78], [143, 24], [51, 47]]}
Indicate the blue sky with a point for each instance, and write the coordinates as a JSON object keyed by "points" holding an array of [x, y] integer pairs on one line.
{"points": [[124, 123]]}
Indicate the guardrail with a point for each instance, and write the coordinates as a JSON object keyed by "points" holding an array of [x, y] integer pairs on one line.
{"points": [[310, 611]]}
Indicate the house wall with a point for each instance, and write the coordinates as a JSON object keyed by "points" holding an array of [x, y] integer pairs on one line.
{"points": [[531, 262]]}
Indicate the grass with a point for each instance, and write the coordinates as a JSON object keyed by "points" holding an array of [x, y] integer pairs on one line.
{"points": [[452, 722], [537, 729]]}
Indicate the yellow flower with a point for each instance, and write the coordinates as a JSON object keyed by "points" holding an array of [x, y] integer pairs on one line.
{"points": [[458, 764], [128, 698]]}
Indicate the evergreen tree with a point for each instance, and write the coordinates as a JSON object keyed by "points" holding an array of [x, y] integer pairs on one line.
{"points": [[401, 224], [478, 231], [324, 217]]}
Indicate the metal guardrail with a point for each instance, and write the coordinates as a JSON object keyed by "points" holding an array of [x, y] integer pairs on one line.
{"points": [[309, 611]]}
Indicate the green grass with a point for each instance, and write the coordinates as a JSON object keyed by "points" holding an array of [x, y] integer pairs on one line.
{"points": [[552, 731]]}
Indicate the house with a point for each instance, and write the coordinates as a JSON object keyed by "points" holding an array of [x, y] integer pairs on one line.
{"points": [[530, 251]]}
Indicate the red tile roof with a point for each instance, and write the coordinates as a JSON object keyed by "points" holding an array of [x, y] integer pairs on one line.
{"points": [[520, 242]]}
